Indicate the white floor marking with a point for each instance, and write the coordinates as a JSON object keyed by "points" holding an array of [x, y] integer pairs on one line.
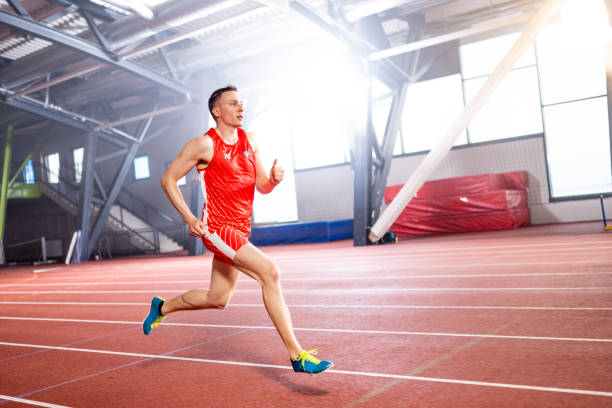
{"points": [[340, 306], [46, 269], [345, 372], [325, 278], [31, 402], [313, 291], [385, 332], [205, 269]]}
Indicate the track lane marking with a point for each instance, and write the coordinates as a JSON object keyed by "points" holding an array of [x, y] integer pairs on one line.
{"points": [[592, 261], [340, 306], [31, 402], [316, 291], [383, 332], [345, 372], [326, 278]]}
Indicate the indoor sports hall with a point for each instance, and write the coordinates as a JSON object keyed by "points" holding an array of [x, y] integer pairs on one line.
{"points": [[305, 203]]}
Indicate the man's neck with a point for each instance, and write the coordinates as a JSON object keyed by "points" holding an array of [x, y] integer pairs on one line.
{"points": [[229, 134]]}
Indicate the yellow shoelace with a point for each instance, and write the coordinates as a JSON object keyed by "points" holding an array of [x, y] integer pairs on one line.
{"points": [[307, 356]]}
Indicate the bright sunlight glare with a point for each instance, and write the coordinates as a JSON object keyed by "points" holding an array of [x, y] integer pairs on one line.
{"points": [[588, 19]]}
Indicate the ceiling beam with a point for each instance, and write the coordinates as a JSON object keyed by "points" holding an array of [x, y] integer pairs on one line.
{"points": [[477, 29], [26, 26], [19, 8]]}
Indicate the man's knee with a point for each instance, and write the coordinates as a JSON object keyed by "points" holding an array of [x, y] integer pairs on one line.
{"points": [[270, 273]]}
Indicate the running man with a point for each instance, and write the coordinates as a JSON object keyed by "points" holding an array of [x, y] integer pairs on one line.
{"points": [[229, 167]]}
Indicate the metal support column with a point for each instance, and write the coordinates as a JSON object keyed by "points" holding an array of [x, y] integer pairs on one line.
{"points": [[195, 246], [112, 195], [391, 131], [86, 192], [362, 168], [608, 63], [6, 167]]}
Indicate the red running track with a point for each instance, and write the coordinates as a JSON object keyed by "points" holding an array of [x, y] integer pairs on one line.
{"points": [[518, 318]]}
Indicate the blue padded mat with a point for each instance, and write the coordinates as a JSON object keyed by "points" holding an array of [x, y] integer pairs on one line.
{"points": [[302, 232]]}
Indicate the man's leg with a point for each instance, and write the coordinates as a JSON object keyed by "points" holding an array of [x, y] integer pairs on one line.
{"points": [[223, 280], [253, 262]]}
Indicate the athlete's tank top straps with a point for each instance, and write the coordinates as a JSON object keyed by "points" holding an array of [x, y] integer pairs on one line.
{"points": [[228, 184]]}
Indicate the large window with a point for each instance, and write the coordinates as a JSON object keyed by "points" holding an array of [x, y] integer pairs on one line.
{"points": [[77, 159], [570, 67], [141, 168], [52, 167], [270, 126], [28, 173], [482, 57], [573, 83], [578, 147], [514, 109], [430, 108]]}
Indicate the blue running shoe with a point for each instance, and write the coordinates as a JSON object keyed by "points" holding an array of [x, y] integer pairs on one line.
{"points": [[155, 317], [306, 363]]}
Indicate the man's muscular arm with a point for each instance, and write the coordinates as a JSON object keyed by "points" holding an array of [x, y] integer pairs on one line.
{"points": [[263, 183], [197, 150]]}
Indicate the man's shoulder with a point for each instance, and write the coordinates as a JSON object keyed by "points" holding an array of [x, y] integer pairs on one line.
{"points": [[252, 138], [202, 141]]}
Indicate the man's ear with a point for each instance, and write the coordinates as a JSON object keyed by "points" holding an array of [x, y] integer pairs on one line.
{"points": [[216, 112]]}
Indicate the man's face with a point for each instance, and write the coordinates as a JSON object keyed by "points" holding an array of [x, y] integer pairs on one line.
{"points": [[230, 109]]}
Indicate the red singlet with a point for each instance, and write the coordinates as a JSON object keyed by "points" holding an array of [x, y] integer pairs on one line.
{"points": [[228, 185]]}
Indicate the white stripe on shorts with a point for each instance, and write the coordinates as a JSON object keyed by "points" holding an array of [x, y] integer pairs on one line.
{"points": [[222, 246]]}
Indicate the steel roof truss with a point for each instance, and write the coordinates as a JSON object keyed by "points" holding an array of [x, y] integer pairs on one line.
{"points": [[92, 50]]}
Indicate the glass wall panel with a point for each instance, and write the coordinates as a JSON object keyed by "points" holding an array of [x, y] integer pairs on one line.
{"points": [[578, 147], [482, 57], [141, 168], [570, 67], [77, 160], [430, 109], [28, 173], [52, 163], [272, 129], [513, 110]]}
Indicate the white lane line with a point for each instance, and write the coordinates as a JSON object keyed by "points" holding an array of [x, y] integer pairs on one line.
{"points": [[314, 291], [325, 278], [384, 332], [459, 253], [352, 268], [340, 306], [77, 303], [31, 402], [442, 251], [46, 269], [353, 256], [345, 372]]}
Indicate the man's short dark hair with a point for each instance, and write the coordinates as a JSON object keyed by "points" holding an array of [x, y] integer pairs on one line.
{"points": [[216, 95]]}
